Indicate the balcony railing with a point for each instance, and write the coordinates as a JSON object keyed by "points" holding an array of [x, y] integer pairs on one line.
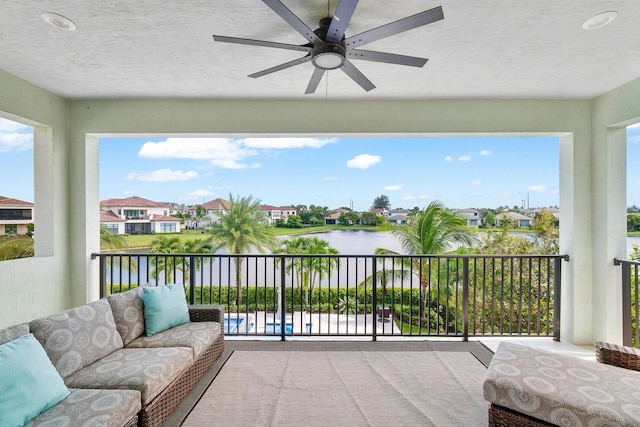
{"points": [[630, 301], [358, 295]]}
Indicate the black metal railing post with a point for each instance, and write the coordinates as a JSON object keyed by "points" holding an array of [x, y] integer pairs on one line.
{"points": [[192, 279], [557, 292], [627, 333], [374, 288], [283, 306], [465, 299]]}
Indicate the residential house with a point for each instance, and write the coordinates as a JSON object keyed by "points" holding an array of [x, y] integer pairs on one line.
{"points": [[472, 216], [535, 211], [517, 220], [141, 216], [397, 218], [274, 213], [581, 86], [380, 211], [215, 208], [15, 215], [334, 218]]}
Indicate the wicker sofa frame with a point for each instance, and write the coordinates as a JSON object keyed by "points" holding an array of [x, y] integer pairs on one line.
{"points": [[154, 413], [610, 354]]}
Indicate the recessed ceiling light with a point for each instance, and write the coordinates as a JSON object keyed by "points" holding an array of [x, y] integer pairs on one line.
{"points": [[599, 20], [59, 21]]}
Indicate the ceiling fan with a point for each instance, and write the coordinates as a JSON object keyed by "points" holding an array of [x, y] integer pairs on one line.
{"points": [[329, 49]]}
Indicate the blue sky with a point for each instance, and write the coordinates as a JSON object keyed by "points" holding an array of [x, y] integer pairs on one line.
{"points": [[333, 172]]}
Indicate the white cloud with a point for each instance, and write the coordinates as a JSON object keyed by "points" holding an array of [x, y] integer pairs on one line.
{"points": [[331, 178], [363, 161], [448, 159], [15, 136], [476, 183], [163, 175], [538, 188], [288, 142], [393, 187], [198, 194], [486, 153], [464, 158], [221, 152], [420, 197], [634, 139]]}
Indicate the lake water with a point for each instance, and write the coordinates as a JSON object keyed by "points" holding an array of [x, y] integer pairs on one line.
{"points": [[357, 242]]}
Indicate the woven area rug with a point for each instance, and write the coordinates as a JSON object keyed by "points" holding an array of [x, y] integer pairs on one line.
{"points": [[354, 388]]}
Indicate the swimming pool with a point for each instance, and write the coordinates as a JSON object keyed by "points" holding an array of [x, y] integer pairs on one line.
{"points": [[271, 328]]}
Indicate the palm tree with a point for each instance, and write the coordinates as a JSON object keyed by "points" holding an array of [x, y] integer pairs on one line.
{"points": [[433, 230], [173, 245], [243, 228], [111, 240], [200, 216], [308, 270], [15, 247]]}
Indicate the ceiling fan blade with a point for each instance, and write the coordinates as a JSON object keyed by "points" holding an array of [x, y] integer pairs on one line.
{"points": [[263, 43], [315, 80], [293, 20], [281, 67], [396, 27], [389, 58], [341, 18], [351, 71]]}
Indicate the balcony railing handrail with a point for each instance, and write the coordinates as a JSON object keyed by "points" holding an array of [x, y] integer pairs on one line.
{"points": [[458, 295], [390, 256]]}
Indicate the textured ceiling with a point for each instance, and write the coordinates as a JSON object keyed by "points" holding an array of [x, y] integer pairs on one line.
{"points": [[482, 49]]}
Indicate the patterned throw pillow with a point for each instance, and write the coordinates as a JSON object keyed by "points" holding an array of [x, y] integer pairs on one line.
{"points": [[164, 307], [128, 312], [77, 337], [13, 332]]}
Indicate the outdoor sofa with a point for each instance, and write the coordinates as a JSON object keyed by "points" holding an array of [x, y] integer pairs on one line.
{"points": [[529, 387], [103, 368]]}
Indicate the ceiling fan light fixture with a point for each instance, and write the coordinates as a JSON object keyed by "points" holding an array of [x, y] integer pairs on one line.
{"points": [[599, 20], [328, 56], [59, 21]]}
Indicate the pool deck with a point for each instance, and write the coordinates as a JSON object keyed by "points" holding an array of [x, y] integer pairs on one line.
{"points": [[324, 323]]}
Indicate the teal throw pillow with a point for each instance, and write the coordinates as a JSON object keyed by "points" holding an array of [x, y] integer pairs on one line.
{"points": [[29, 383], [164, 307]]}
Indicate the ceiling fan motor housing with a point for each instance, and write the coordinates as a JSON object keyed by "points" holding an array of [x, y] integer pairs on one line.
{"points": [[327, 56]]}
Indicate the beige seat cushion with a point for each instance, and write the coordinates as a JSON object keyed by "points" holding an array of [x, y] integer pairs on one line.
{"points": [[562, 390], [108, 408], [148, 370], [195, 335]]}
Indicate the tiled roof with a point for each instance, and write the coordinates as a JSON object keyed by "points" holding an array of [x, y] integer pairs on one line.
{"points": [[10, 201], [214, 205], [132, 202], [155, 217], [110, 216]]}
